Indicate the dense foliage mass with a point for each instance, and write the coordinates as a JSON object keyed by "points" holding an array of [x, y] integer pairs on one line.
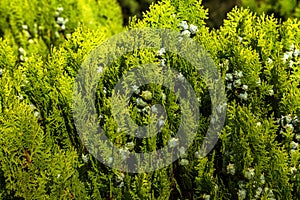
{"points": [[44, 43]]}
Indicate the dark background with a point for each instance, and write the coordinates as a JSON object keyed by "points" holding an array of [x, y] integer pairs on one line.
{"points": [[217, 9]]}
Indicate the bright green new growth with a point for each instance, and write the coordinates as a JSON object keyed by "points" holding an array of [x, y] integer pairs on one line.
{"points": [[42, 157]]}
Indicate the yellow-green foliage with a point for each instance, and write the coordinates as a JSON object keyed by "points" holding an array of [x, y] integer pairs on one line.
{"points": [[281, 8], [37, 26], [42, 156]]}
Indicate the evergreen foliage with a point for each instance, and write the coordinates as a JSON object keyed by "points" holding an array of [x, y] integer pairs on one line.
{"points": [[42, 156]]}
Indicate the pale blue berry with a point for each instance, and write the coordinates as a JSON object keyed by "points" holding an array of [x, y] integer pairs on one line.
{"points": [[22, 51], [238, 74], [229, 77], [36, 114], [292, 47], [296, 53], [193, 29], [249, 174], [124, 153], [180, 76], [173, 142], [206, 197], [270, 92], [289, 127], [294, 145], [32, 107], [258, 82], [271, 194], [245, 87], [129, 145], [229, 86], [270, 61], [136, 89], [20, 97], [60, 20], [242, 194], [163, 62], [287, 55], [85, 158], [161, 122], [60, 9], [162, 51], [231, 169], [120, 177], [262, 179], [182, 152], [184, 162], [56, 34], [197, 155], [258, 124], [240, 39], [291, 63], [288, 118], [293, 170], [258, 192], [186, 33], [121, 184], [140, 102], [100, 70], [237, 83], [146, 109], [25, 27], [221, 108], [110, 160], [184, 25], [104, 90], [163, 97]]}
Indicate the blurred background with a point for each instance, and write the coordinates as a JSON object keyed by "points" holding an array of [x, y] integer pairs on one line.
{"points": [[281, 9], [217, 9]]}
